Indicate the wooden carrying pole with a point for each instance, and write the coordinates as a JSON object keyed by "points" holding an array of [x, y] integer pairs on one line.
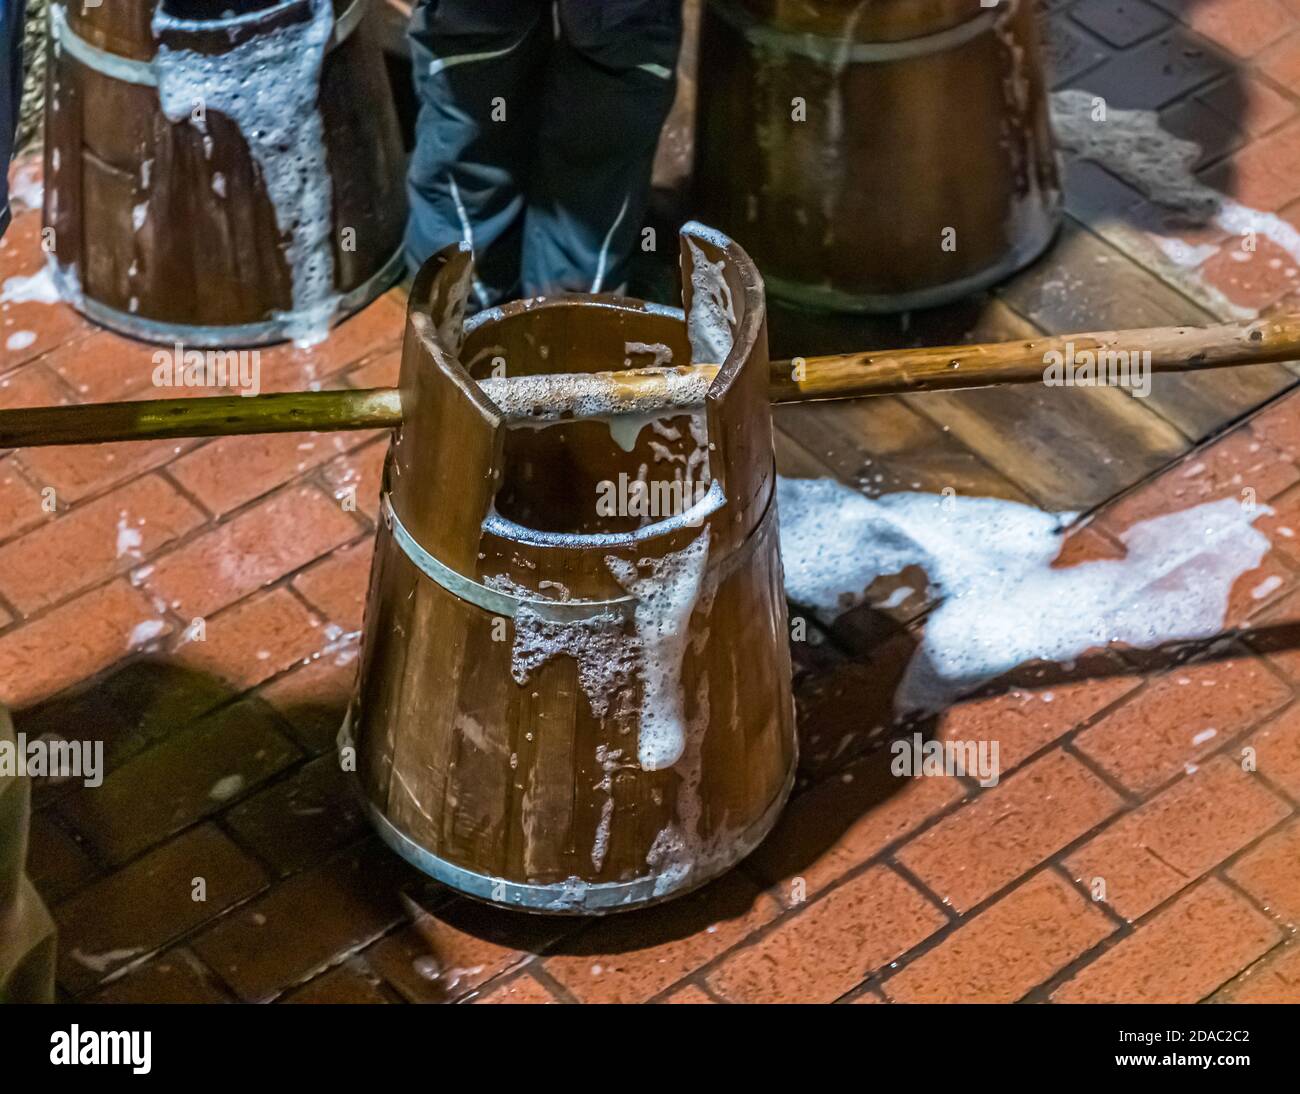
{"points": [[651, 391]]}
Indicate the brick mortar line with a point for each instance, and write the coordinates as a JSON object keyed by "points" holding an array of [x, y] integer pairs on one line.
{"points": [[1057, 866], [135, 563], [537, 967], [783, 916], [304, 477], [371, 356], [500, 980], [1121, 929], [1132, 800], [165, 472], [381, 986], [1108, 943], [1277, 86], [1109, 52], [332, 963], [1225, 746], [315, 610], [153, 560], [883, 975], [1220, 872], [870, 987], [181, 939], [111, 869], [15, 616], [515, 968], [96, 494], [971, 785], [74, 336], [1221, 994], [316, 477], [946, 908], [1204, 316], [1253, 71], [99, 869], [1044, 864], [1067, 15], [188, 937]]}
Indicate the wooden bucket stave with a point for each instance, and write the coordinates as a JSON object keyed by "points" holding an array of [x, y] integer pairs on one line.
{"points": [[920, 118], [166, 230], [523, 778]]}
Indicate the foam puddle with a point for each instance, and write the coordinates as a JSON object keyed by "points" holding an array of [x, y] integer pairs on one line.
{"points": [[1002, 604], [268, 86], [1133, 146], [37, 288]]}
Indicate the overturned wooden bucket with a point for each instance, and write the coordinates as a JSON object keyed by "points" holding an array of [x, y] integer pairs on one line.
{"points": [[565, 705], [876, 157], [220, 172]]}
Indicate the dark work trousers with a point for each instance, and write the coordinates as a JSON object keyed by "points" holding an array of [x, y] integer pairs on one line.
{"points": [[536, 135], [11, 92]]}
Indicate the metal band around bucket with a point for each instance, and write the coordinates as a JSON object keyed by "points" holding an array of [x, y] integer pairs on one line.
{"points": [[829, 298], [575, 896], [556, 611], [131, 70], [836, 51], [276, 329]]}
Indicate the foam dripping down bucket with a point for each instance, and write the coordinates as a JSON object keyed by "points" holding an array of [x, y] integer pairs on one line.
{"points": [[220, 173], [565, 704]]}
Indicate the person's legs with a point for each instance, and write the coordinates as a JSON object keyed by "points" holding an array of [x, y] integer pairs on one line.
{"points": [[609, 86], [476, 74], [11, 92]]}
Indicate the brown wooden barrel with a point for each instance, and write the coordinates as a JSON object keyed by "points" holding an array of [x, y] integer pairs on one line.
{"points": [[923, 168], [220, 172], [564, 708]]}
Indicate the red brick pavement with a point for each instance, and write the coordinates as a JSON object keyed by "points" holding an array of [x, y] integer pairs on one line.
{"points": [[1126, 854]]}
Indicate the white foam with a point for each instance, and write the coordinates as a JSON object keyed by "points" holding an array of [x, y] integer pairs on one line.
{"points": [[38, 288], [27, 187], [662, 354], [605, 656], [666, 598], [711, 321], [554, 396], [268, 86], [129, 539], [1002, 604], [145, 631], [610, 659], [1134, 146]]}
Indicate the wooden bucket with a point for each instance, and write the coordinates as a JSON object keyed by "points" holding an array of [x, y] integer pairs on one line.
{"points": [[220, 172], [923, 168], [564, 708]]}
